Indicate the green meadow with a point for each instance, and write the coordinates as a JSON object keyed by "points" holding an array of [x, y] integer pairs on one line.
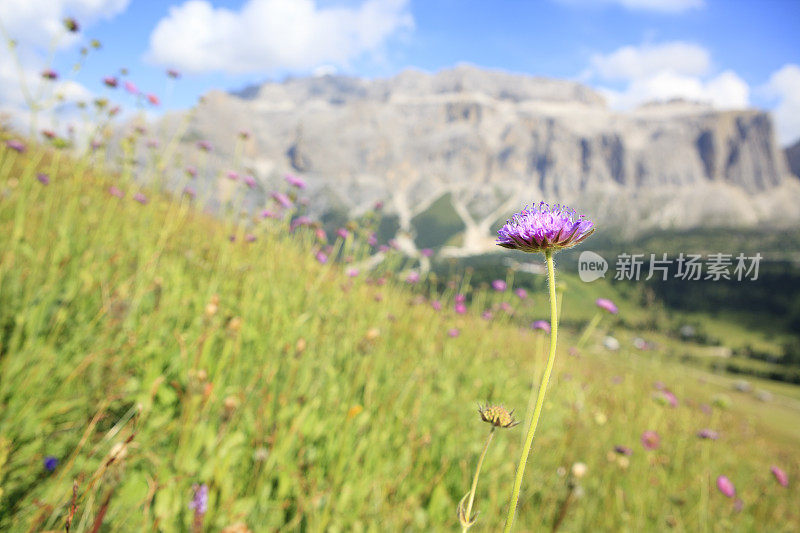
{"points": [[151, 347]]}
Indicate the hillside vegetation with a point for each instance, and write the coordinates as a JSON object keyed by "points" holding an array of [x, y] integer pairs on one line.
{"points": [[147, 347]]}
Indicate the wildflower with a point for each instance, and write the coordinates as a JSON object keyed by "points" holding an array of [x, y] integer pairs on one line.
{"points": [[709, 434], [282, 199], [43, 178], [152, 144], [460, 298], [499, 285], [383, 248], [71, 25], [250, 181], [608, 305], [486, 315], [199, 503], [426, 252], [498, 416], [15, 145], [521, 293], [174, 74], [579, 470], [153, 99], [321, 257], [299, 221], [650, 440], [266, 213], [460, 308], [372, 240], [49, 74], [111, 82], [250, 237], [232, 175], [141, 198], [413, 277], [50, 463], [191, 171], [342, 233], [780, 476], [726, 487], [505, 306], [131, 88], [352, 272], [49, 134], [623, 450], [295, 181], [454, 332], [244, 135], [543, 325], [205, 146], [189, 191], [437, 305], [543, 227]]}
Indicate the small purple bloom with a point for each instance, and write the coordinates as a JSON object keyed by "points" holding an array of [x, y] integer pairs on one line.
{"points": [[780, 476], [43, 178], [232, 175], [295, 181], [15, 145], [49, 74], [454, 332], [266, 213], [437, 305], [352, 272], [174, 74], [131, 88], [141, 198], [111, 82], [115, 191], [709, 434], [250, 237], [372, 240], [544, 227], [726, 487], [486, 315], [205, 146], [542, 325], [671, 398], [199, 503], [342, 233], [250, 181], [499, 285], [413, 277], [282, 199], [383, 248], [460, 298], [505, 306], [521, 293], [650, 440], [299, 221], [608, 305], [189, 191], [378, 206], [50, 463], [321, 257], [191, 171], [623, 450], [426, 252], [460, 308]]}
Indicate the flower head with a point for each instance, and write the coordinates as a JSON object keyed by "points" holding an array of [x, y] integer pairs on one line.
{"points": [[623, 450], [15, 145], [205, 146], [780, 476], [43, 178], [282, 199], [49, 74], [709, 434], [295, 181], [608, 305], [153, 99], [199, 503], [726, 487], [454, 332], [499, 285], [544, 227], [141, 198], [498, 416], [650, 440], [542, 325], [111, 81], [50, 463], [71, 25], [521, 293]]}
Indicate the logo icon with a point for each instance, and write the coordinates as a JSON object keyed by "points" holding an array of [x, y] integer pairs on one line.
{"points": [[591, 266]]}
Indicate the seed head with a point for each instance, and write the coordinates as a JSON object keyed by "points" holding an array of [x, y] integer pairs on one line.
{"points": [[497, 415]]}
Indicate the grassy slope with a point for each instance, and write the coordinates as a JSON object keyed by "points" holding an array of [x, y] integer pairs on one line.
{"points": [[312, 401]]}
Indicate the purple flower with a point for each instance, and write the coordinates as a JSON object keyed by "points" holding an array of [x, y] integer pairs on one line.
{"points": [[544, 227], [266, 213], [352, 272], [460, 298], [780, 476], [608, 305], [232, 175], [709, 434], [199, 503], [50, 463], [372, 240], [454, 332], [295, 181], [282, 199], [413, 277], [623, 450], [521, 293], [49, 74], [650, 440], [342, 233], [505, 306], [174, 74], [43, 178], [486, 315], [205, 146], [299, 221], [131, 88], [250, 237], [437, 305], [542, 325], [426, 252], [460, 308], [670, 398], [383, 248], [321, 257], [726, 487], [191, 171], [15, 145], [499, 285], [141, 198], [111, 81], [250, 181], [115, 191], [189, 191]]}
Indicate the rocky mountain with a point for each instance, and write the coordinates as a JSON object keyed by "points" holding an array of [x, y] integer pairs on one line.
{"points": [[464, 148], [793, 158]]}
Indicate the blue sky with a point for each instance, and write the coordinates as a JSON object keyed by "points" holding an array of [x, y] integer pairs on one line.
{"points": [[733, 53]]}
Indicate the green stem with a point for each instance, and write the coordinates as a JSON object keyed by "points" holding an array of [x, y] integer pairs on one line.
{"points": [[551, 281], [589, 330], [465, 526]]}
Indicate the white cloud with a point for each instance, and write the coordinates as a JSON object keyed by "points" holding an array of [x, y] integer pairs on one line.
{"points": [[666, 71], [662, 6], [784, 84], [273, 34], [632, 62]]}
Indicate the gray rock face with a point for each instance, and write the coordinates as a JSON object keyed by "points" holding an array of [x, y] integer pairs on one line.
{"points": [[793, 158], [493, 141]]}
